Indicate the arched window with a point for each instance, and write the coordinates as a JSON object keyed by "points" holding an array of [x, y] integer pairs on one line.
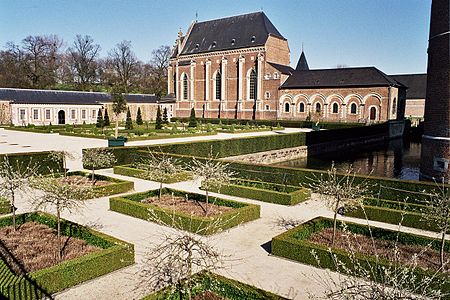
{"points": [[301, 107], [252, 85], [287, 107], [218, 86], [335, 108], [185, 87], [373, 113], [318, 107], [353, 108], [394, 106]]}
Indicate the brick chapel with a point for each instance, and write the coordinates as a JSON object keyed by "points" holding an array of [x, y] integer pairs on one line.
{"points": [[239, 68]]}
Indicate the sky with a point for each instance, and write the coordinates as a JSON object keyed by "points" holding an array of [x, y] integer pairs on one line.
{"points": [[391, 35]]}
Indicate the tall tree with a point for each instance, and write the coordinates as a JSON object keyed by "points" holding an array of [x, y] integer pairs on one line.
{"points": [[100, 122], [159, 63], [106, 121], [128, 121], [124, 64], [41, 59], [119, 105], [165, 116], [139, 117], [158, 124], [83, 60]]}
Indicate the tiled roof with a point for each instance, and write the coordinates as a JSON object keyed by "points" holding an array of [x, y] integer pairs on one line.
{"points": [[416, 83], [287, 70]]}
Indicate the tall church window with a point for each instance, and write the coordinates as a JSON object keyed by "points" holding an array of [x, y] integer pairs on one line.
{"points": [[286, 107], [301, 107], [218, 86], [353, 108], [185, 87], [318, 107], [252, 92], [335, 108]]}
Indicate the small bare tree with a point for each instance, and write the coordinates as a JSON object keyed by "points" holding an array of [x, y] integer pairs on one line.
{"points": [[119, 105], [339, 191], [437, 211], [159, 168], [96, 158], [60, 196], [173, 262], [212, 172], [15, 177], [62, 156]]}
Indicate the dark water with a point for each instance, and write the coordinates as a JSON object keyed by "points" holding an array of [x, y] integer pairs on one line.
{"points": [[395, 159]]}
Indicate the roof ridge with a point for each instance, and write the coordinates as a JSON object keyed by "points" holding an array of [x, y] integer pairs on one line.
{"points": [[229, 17], [68, 91]]}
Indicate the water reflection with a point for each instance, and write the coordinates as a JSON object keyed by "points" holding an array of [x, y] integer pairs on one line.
{"points": [[395, 159]]}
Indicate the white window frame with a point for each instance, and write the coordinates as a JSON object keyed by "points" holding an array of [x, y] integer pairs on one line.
{"points": [[350, 108], [73, 114], [83, 114], [22, 117], [36, 114]]}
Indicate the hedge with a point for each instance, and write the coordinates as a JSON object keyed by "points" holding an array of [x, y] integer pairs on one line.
{"points": [[5, 206], [293, 244], [224, 287], [23, 160], [273, 123], [392, 212], [129, 170], [115, 255], [117, 186], [131, 205], [265, 191]]}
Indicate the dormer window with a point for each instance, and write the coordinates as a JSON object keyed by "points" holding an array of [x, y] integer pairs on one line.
{"points": [[214, 44], [233, 41], [196, 46], [253, 39]]}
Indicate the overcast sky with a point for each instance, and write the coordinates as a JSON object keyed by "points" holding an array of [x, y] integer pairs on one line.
{"points": [[389, 34]]}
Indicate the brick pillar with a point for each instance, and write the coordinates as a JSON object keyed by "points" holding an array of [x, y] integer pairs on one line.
{"points": [[192, 81], [436, 138]]}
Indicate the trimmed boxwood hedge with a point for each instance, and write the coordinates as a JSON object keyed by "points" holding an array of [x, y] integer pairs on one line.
{"points": [[227, 288], [129, 170], [131, 205], [5, 206], [43, 159], [117, 186], [115, 255], [265, 191], [293, 244]]}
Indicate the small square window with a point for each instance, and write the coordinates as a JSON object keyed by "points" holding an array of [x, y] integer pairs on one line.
{"points": [[267, 107], [276, 75], [440, 164], [267, 95]]}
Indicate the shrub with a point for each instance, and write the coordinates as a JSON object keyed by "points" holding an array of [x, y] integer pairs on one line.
{"points": [[192, 119], [131, 205], [139, 117], [117, 186], [131, 171], [43, 159], [5, 206], [128, 122]]}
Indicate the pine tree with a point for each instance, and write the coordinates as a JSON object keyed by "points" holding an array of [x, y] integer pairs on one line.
{"points": [[106, 121], [165, 116], [192, 119], [100, 121], [129, 122], [158, 124], [139, 117]]}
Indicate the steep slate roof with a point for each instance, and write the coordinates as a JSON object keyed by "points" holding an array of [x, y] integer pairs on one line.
{"points": [[287, 70], [235, 32], [416, 83], [24, 96], [346, 77], [302, 64]]}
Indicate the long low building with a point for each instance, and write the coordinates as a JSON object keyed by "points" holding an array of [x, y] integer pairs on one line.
{"points": [[41, 107]]}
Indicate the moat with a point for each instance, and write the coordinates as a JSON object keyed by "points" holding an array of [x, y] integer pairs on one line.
{"points": [[395, 159]]}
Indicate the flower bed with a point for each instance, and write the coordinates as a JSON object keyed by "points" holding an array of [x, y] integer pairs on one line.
{"points": [[295, 244], [220, 286], [114, 254], [240, 213], [132, 171], [394, 212], [115, 186], [5, 206], [265, 191]]}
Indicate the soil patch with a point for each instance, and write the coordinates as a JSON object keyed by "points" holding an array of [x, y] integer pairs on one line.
{"points": [[82, 181], [35, 247], [208, 296], [426, 258], [186, 206]]}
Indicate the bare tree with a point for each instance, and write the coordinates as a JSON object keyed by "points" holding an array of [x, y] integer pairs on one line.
{"points": [[339, 191], [159, 168], [212, 172], [62, 157], [173, 262], [15, 177], [83, 60], [159, 63], [119, 106], [437, 211], [95, 158], [124, 63], [61, 196]]}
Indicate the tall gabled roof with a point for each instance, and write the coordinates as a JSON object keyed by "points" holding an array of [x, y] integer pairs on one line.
{"points": [[346, 77], [235, 32], [416, 83], [302, 64], [29, 96]]}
